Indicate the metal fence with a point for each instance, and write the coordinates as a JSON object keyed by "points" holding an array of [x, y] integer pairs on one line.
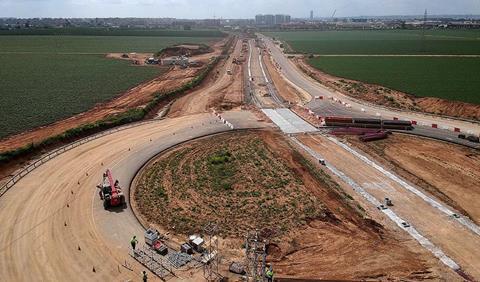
{"points": [[45, 158]]}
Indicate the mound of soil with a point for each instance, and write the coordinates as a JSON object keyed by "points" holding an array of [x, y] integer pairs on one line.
{"points": [[185, 50], [380, 95], [234, 180], [244, 181]]}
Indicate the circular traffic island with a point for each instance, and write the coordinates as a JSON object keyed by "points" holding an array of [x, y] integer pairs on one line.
{"points": [[235, 180], [257, 180]]}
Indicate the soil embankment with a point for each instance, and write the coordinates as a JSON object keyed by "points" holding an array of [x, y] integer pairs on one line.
{"points": [[380, 95], [449, 172], [243, 181]]}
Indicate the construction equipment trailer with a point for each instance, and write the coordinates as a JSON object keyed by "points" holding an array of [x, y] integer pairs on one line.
{"points": [[110, 191]]}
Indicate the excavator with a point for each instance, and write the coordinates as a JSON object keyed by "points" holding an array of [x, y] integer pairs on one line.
{"points": [[110, 192]]}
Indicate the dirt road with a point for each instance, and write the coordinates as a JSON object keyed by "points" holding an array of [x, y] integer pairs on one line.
{"points": [[452, 175], [454, 239], [55, 228], [224, 92]]}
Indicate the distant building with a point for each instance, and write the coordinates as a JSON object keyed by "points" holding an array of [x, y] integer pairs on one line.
{"points": [[311, 15], [269, 20], [259, 19]]}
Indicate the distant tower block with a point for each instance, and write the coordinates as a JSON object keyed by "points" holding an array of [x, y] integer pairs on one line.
{"points": [[311, 15]]}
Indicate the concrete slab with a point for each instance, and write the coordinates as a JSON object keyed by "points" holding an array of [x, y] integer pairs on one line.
{"points": [[288, 121]]}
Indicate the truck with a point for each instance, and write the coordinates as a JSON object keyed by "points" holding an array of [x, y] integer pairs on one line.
{"points": [[110, 192]]}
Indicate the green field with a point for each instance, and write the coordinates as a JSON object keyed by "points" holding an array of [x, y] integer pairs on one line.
{"points": [[447, 78], [91, 44], [115, 32], [45, 78], [382, 42], [451, 78]]}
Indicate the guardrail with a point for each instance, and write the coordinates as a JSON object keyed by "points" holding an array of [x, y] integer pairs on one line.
{"points": [[47, 157]]}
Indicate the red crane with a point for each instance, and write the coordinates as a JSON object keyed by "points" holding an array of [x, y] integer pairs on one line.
{"points": [[110, 191]]}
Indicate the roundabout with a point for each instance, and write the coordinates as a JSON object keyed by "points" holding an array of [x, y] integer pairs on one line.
{"points": [[55, 223]]}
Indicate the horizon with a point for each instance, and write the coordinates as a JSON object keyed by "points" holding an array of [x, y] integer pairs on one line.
{"points": [[252, 18], [230, 9]]}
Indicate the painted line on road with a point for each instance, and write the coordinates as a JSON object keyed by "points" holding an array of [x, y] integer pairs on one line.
{"points": [[446, 210], [250, 60], [263, 70], [436, 251]]}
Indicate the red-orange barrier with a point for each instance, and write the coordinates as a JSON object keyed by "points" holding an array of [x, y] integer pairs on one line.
{"points": [[434, 125], [456, 129]]}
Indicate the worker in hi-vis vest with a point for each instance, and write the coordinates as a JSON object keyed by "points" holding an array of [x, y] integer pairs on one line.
{"points": [[269, 274], [134, 242]]}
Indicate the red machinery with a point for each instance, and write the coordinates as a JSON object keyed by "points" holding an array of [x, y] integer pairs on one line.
{"points": [[110, 192]]}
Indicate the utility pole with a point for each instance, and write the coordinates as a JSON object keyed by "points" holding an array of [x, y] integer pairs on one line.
{"points": [[423, 31]]}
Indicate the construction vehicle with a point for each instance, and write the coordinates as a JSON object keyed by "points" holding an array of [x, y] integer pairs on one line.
{"points": [[110, 192], [388, 202]]}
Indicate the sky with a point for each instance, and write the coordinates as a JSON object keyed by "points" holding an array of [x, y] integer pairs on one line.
{"points": [[199, 9]]}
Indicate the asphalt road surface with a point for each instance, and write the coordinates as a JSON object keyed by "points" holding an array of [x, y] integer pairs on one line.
{"points": [[361, 109]]}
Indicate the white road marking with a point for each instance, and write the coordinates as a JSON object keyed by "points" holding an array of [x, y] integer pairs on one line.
{"points": [[463, 220], [263, 71], [250, 60], [436, 251]]}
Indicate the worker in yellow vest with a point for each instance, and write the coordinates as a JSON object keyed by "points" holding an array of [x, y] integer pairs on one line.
{"points": [[134, 242], [269, 274]]}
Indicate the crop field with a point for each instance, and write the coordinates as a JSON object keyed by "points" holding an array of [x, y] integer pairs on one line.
{"points": [[91, 44], [448, 78], [382, 42], [451, 78], [45, 78]]}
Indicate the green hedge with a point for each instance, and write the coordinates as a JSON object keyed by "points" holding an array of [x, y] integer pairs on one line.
{"points": [[129, 116]]}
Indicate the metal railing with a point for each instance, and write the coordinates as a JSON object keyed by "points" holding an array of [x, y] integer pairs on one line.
{"points": [[46, 157]]}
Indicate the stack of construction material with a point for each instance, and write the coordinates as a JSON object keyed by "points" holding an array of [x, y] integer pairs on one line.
{"points": [[179, 259], [374, 136], [368, 123], [353, 131]]}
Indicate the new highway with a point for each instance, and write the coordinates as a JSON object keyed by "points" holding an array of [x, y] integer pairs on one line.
{"points": [[355, 108]]}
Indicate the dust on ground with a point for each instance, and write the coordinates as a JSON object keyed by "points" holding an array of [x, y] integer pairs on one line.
{"points": [[380, 95], [448, 171], [137, 59], [220, 91], [245, 180], [285, 89], [185, 50]]}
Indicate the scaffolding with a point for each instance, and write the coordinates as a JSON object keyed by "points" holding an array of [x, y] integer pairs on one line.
{"points": [[153, 261], [210, 258], [255, 256]]}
